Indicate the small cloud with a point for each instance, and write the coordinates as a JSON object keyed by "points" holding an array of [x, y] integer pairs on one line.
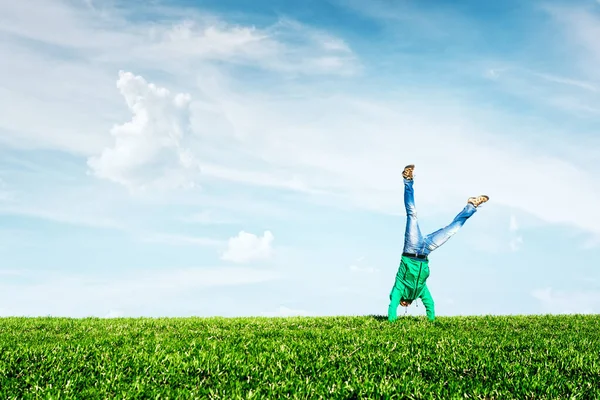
{"points": [[563, 302], [249, 247], [492, 73], [114, 314], [567, 81], [283, 311], [151, 149]]}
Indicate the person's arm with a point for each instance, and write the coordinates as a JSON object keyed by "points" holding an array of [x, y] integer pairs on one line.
{"points": [[394, 302], [428, 303]]}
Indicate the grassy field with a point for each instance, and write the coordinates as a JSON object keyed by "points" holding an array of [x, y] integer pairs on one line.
{"points": [[331, 357]]}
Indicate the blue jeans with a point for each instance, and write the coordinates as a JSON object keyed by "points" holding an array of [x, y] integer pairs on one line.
{"points": [[414, 242]]}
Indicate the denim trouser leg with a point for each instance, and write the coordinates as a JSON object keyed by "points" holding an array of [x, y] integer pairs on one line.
{"points": [[413, 240], [441, 236]]}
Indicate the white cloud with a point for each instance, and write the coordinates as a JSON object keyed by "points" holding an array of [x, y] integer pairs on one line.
{"points": [[150, 150], [114, 314], [249, 247], [284, 311], [492, 73], [565, 302]]}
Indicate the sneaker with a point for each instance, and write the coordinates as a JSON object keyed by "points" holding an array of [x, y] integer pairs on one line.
{"points": [[479, 200], [408, 172]]}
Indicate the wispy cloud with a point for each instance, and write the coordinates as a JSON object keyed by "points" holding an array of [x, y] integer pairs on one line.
{"points": [[569, 82], [577, 97], [314, 52], [247, 247], [436, 23]]}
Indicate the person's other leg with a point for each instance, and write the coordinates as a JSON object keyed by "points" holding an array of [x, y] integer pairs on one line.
{"points": [[436, 239], [412, 235]]}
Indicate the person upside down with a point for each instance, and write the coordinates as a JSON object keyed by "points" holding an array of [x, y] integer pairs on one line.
{"points": [[413, 271]]}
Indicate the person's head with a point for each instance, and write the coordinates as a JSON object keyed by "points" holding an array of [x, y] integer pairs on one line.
{"points": [[405, 303]]}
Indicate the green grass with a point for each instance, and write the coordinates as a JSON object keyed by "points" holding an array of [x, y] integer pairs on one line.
{"points": [[330, 357]]}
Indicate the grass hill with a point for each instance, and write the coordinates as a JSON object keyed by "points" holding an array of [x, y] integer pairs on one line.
{"points": [[515, 357]]}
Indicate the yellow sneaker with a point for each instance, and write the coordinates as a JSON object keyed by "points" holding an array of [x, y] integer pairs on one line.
{"points": [[408, 172], [479, 200]]}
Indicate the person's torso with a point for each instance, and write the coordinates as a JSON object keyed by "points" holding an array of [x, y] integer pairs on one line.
{"points": [[412, 275]]}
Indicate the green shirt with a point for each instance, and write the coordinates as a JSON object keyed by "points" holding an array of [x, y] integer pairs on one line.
{"points": [[410, 285]]}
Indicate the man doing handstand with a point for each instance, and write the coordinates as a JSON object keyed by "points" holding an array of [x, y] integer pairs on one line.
{"points": [[414, 264]]}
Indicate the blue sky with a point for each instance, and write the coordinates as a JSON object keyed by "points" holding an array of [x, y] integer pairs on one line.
{"points": [[175, 158]]}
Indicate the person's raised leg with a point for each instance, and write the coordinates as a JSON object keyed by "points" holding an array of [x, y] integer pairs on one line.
{"points": [[412, 235], [436, 239]]}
